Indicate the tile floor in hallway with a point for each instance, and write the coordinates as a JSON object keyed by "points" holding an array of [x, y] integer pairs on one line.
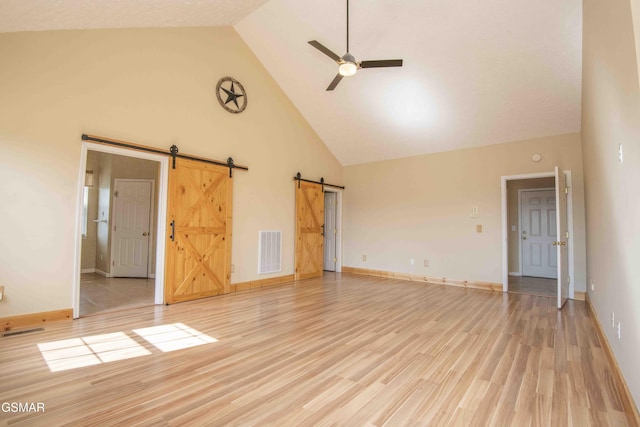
{"points": [[99, 294], [533, 286]]}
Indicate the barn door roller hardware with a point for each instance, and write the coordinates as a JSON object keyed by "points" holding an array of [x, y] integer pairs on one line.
{"points": [[299, 178], [173, 152]]}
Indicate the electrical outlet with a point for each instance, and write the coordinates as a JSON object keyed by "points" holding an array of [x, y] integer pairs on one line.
{"points": [[233, 268], [412, 261], [426, 263], [593, 286], [618, 331], [364, 257], [1, 293], [478, 228], [613, 320]]}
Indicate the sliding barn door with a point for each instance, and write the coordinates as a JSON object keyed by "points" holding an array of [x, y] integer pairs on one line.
{"points": [[198, 261], [309, 230]]}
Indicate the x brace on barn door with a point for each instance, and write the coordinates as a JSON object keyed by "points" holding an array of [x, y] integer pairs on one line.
{"points": [[173, 152]]}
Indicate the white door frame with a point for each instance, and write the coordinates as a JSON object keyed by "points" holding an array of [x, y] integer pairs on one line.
{"points": [[520, 191], [150, 274], [162, 215], [505, 225], [338, 192]]}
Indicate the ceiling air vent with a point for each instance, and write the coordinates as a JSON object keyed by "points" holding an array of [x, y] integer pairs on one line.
{"points": [[269, 259]]}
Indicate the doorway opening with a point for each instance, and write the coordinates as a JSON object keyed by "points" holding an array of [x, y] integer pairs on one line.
{"points": [[120, 244], [332, 260], [532, 231], [530, 236]]}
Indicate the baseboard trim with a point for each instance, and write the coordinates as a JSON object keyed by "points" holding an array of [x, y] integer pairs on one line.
{"points": [[35, 319], [103, 274], [579, 296], [629, 406], [487, 286], [261, 283], [515, 273], [88, 270]]}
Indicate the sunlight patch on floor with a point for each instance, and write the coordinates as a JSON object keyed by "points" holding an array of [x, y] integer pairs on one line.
{"points": [[176, 336], [92, 350]]}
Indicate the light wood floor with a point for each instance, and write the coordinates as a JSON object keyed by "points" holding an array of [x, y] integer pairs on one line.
{"points": [[100, 294], [344, 350], [533, 285]]}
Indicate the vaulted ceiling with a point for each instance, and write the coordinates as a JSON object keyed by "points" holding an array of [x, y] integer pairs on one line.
{"points": [[474, 73]]}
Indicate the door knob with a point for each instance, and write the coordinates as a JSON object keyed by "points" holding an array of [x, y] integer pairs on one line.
{"points": [[145, 234], [524, 238]]}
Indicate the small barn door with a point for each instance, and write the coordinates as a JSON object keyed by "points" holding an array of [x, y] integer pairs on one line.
{"points": [[199, 234], [309, 230]]}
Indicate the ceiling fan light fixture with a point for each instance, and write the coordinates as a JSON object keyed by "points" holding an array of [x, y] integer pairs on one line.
{"points": [[347, 69], [348, 66]]}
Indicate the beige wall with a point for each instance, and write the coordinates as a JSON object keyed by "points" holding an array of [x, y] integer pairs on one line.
{"points": [[635, 10], [90, 240], [420, 208], [611, 116], [150, 86], [104, 214], [512, 212]]}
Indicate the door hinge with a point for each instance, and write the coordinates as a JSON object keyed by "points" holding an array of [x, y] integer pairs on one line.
{"points": [[567, 235], [335, 260], [115, 227], [335, 231], [115, 193], [566, 190], [113, 263], [568, 280]]}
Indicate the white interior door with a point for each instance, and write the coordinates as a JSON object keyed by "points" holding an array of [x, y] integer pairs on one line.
{"points": [[330, 230], [538, 233], [131, 228], [562, 191]]}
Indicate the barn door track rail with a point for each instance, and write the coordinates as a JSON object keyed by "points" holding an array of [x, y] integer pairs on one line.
{"points": [[299, 178], [173, 152]]}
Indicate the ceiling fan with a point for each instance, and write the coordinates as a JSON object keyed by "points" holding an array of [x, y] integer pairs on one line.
{"points": [[347, 64]]}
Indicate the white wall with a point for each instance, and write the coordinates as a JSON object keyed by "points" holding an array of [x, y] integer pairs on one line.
{"points": [[611, 116], [150, 86], [420, 207]]}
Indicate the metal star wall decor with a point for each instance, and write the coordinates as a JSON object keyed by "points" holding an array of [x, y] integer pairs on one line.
{"points": [[231, 95]]}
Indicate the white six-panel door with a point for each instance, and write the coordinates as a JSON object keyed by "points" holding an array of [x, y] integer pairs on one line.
{"points": [[538, 233], [131, 229]]}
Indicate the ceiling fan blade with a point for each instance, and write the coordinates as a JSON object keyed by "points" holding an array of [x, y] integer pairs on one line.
{"points": [[324, 50], [335, 82], [381, 63]]}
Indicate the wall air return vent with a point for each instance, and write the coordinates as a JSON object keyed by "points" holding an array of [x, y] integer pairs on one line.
{"points": [[270, 249]]}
